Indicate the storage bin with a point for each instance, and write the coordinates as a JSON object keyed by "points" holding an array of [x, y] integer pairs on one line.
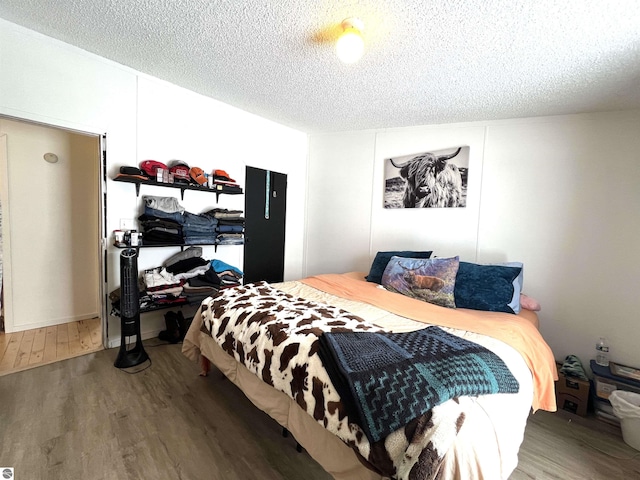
{"points": [[604, 411], [604, 387], [610, 382]]}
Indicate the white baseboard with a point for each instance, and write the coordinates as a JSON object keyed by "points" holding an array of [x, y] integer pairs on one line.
{"points": [[53, 322]]}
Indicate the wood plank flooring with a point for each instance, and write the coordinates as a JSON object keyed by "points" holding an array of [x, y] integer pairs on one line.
{"points": [[84, 418], [563, 446], [41, 346]]}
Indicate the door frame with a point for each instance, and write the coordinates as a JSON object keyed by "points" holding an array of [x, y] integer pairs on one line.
{"points": [[7, 303], [102, 219]]}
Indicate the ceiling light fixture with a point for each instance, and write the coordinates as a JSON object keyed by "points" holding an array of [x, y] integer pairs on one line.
{"points": [[350, 45]]}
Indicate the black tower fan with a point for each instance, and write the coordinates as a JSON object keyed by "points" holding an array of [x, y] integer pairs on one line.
{"points": [[130, 312]]}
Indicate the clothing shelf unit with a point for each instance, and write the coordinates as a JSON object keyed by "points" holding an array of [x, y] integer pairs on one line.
{"points": [[218, 190]]}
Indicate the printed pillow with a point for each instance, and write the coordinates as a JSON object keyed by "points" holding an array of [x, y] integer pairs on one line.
{"points": [[430, 280], [382, 259], [486, 287]]}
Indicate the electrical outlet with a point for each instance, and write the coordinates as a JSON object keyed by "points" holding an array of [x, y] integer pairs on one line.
{"points": [[127, 224]]}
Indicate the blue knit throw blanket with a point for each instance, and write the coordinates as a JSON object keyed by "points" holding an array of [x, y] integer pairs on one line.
{"points": [[385, 380]]}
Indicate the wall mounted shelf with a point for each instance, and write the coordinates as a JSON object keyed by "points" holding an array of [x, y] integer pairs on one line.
{"points": [[218, 190], [181, 245]]}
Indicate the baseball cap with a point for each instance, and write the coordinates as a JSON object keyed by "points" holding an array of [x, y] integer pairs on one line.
{"points": [[126, 170], [180, 170], [175, 163], [132, 173], [151, 166], [197, 175], [222, 175]]}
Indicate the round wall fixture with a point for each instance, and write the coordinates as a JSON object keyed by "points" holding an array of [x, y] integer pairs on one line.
{"points": [[51, 157]]}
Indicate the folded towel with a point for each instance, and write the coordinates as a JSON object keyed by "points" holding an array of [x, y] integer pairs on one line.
{"points": [[572, 367]]}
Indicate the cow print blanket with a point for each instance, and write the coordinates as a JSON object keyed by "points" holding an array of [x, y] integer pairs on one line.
{"points": [[275, 335]]}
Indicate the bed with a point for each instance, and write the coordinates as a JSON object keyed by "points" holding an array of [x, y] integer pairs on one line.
{"points": [[264, 338]]}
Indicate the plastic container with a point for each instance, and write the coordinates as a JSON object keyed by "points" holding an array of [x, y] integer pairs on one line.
{"points": [[605, 382], [626, 406], [604, 387], [602, 352]]}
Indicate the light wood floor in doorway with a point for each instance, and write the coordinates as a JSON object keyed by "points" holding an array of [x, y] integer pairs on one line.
{"points": [[41, 346]]}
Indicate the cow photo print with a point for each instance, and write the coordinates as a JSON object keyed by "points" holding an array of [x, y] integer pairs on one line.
{"points": [[435, 179]]}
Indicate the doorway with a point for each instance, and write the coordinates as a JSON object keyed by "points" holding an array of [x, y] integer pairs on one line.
{"points": [[50, 197]]}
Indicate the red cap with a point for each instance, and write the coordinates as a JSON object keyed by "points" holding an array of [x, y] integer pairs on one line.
{"points": [[222, 175], [151, 166]]}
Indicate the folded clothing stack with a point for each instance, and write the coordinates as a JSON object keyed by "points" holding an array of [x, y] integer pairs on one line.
{"points": [[223, 213], [159, 231], [161, 222], [200, 281], [163, 288], [198, 229], [230, 239], [184, 278], [229, 275], [165, 221], [230, 227], [187, 264]]}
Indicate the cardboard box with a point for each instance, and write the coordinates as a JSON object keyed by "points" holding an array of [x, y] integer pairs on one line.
{"points": [[571, 404], [572, 394]]}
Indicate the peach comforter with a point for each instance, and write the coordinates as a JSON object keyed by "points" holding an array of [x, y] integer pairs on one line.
{"points": [[519, 331]]}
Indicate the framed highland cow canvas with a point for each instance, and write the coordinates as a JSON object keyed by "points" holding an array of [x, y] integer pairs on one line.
{"points": [[434, 179]]}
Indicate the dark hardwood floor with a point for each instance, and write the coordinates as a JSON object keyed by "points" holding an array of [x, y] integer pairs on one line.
{"points": [[85, 419]]}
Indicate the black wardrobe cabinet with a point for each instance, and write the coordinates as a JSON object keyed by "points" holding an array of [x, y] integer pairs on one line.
{"points": [[264, 238]]}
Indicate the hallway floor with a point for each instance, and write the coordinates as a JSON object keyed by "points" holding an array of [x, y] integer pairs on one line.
{"points": [[41, 346]]}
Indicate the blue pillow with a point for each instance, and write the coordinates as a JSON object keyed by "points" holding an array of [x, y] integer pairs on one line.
{"points": [[486, 287], [382, 258], [428, 279]]}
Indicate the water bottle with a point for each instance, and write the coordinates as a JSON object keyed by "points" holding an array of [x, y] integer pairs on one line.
{"points": [[602, 352]]}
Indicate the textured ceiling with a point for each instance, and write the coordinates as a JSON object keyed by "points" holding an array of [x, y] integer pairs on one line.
{"points": [[426, 61]]}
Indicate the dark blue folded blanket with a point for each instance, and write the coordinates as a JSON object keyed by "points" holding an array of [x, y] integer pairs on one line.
{"points": [[385, 380]]}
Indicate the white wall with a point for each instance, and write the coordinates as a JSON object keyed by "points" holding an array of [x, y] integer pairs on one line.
{"points": [[45, 80], [338, 212], [53, 210], [175, 123], [558, 193]]}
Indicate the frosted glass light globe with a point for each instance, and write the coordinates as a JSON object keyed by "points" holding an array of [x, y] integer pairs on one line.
{"points": [[350, 46]]}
